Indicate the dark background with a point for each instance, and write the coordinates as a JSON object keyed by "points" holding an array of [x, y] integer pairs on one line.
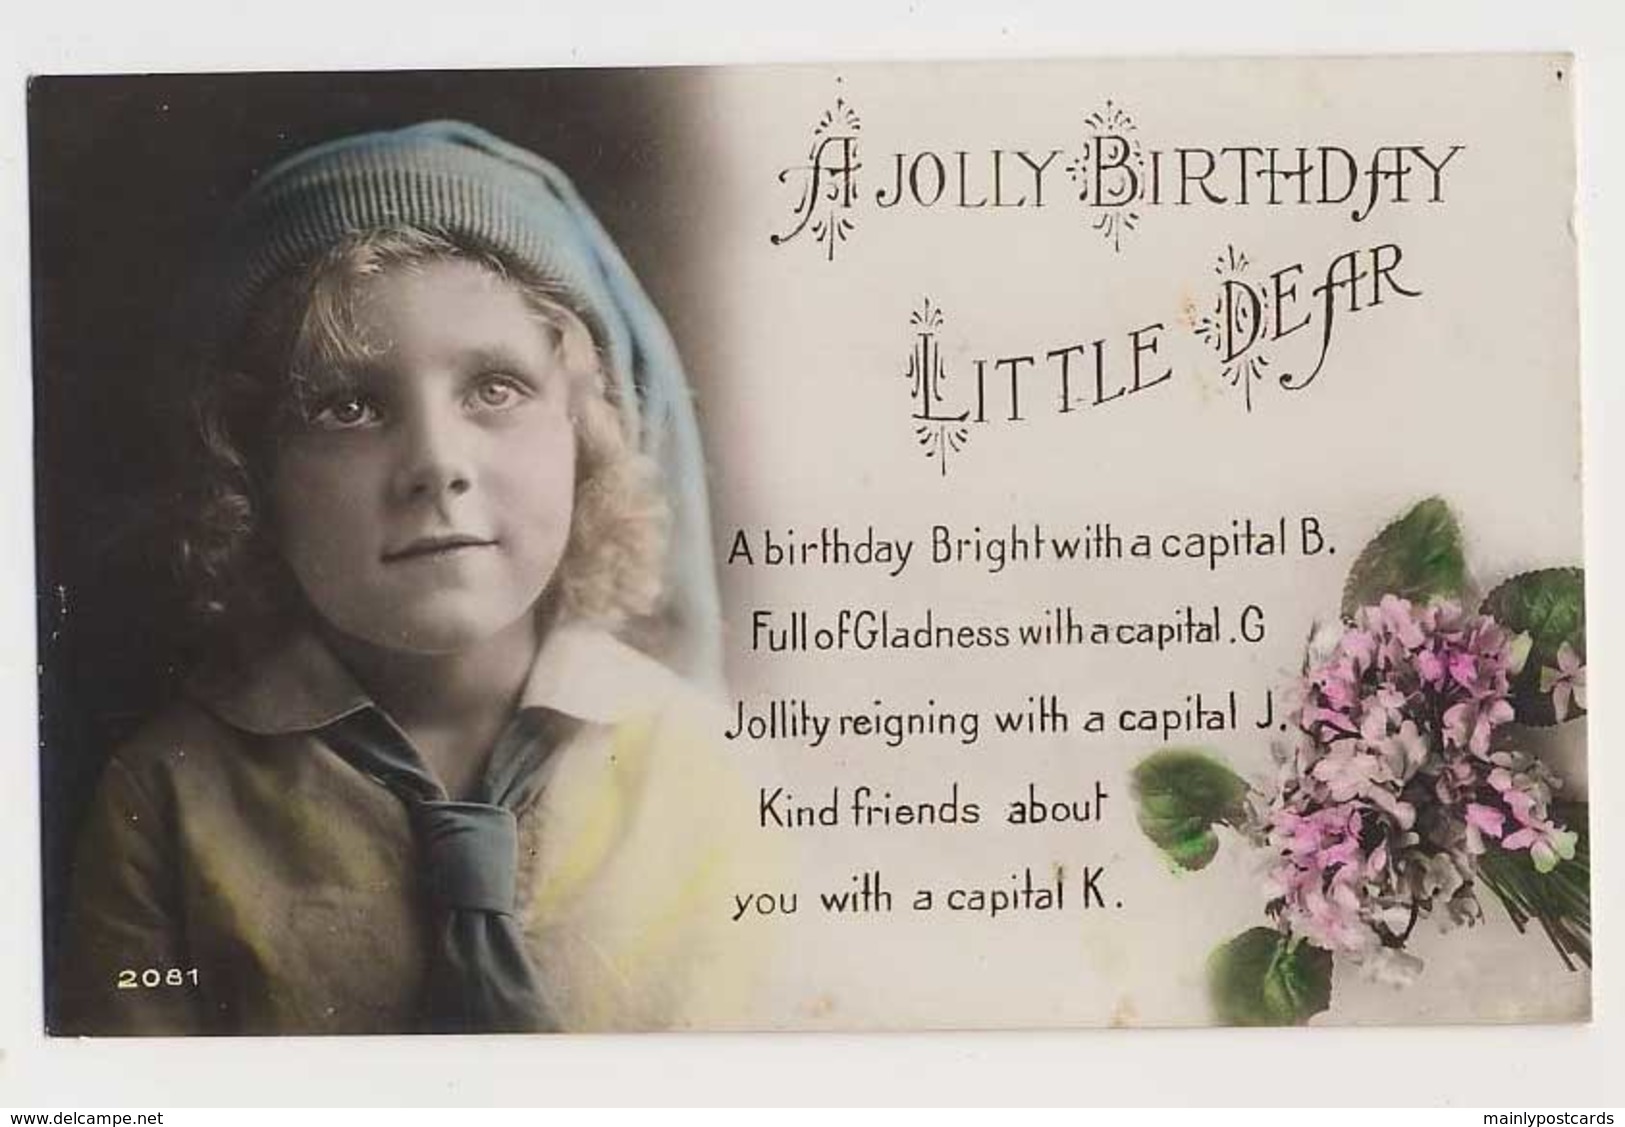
{"points": [[129, 177]]}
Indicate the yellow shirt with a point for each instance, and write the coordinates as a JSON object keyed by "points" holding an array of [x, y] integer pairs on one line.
{"points": [[231, 849]]}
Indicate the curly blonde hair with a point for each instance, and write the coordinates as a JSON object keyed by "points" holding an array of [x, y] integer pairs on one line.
{"points": [[304, 325]]}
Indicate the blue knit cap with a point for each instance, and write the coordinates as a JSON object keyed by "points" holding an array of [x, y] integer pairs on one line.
{"points": [[453, 178]]}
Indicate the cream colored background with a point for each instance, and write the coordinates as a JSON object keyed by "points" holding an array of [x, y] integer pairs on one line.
{"points": [[1470, 391]]}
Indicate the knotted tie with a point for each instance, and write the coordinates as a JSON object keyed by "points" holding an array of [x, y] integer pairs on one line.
{"points": [[480, 977]]}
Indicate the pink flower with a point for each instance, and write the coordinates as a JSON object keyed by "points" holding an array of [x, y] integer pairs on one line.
{"points": [[1402, 813], [1470, 723], [1330, 918], [1404, 752], [1360, 648], [1464, 670], [1396, 782], [1348, 770], [1526, 794], [1546, 844], [1567, 681], [1486, 818], [1397, 618], [1431, 666], [1482, 820], [1335, 719]]}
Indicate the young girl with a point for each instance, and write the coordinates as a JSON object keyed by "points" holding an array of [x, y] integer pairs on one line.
{"points": [[425, 786]]}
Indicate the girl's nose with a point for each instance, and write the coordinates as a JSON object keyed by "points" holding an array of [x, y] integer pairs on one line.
{"points": [[434, 462]]}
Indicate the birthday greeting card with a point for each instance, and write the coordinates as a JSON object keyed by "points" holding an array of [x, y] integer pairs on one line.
{"points": [[1003, 545]]}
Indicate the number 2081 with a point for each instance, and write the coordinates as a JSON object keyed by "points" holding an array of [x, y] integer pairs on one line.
{"points": [[152, 978]]}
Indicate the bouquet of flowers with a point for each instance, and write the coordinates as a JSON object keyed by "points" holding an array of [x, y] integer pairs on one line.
{"points": [[1404, 788]]}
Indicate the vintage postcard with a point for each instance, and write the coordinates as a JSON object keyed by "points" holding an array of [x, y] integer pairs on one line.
{"points": [[912, 546]]}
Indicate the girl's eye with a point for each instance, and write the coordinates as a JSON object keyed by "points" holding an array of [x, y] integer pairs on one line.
{"points": [[344, 412], [498, 393]]}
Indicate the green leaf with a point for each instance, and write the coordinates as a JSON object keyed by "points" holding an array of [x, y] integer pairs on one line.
{"points": [[1180, 794], [1418, 557], [1262, 977], [1549, 606]]}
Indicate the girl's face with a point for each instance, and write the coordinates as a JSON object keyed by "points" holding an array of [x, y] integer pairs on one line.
{"points": [[425, 502]]}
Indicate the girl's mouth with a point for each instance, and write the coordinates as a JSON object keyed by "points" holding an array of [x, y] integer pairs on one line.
{"points": [[435, 546]]}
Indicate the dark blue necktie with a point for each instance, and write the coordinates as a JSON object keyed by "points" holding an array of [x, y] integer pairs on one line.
{"points": [[480, 978]]}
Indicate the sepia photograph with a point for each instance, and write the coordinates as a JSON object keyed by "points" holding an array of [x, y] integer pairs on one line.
{"points": [[385, 618]]}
